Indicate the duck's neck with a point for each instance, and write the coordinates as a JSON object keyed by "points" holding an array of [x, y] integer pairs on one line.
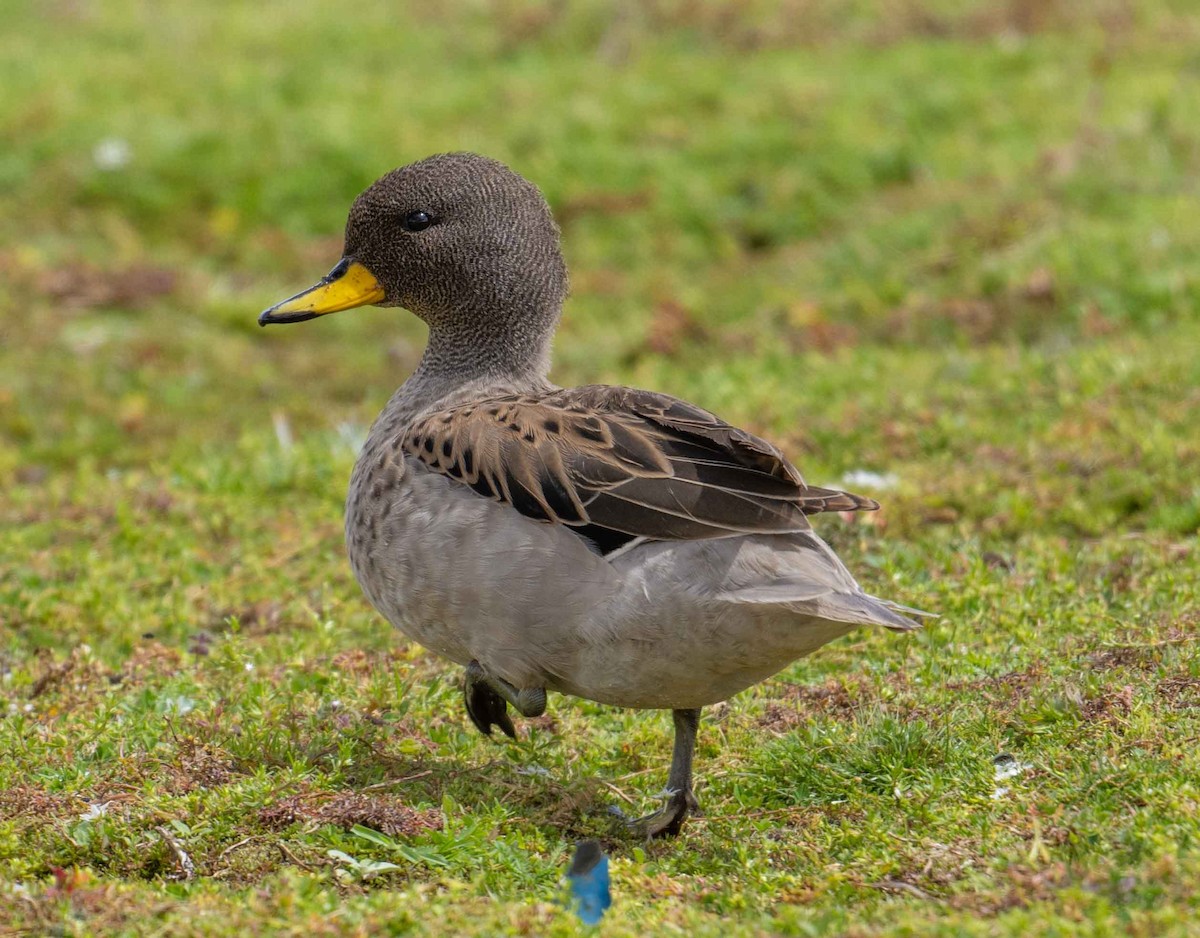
{"points": [[472, 357]]}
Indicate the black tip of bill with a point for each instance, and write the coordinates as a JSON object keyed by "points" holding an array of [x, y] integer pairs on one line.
{"points": [[268, 317]]}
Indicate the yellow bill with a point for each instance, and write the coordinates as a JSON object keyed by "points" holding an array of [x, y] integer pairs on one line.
{"points": [[349, 284]]}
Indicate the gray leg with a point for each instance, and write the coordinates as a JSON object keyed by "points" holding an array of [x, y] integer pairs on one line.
{"points": [[668, 821], [487, 700]]}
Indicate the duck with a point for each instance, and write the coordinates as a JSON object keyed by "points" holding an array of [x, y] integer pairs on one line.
{"points": [[614, 544]]}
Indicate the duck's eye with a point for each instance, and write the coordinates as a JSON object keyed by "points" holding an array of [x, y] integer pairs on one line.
{"points": [[417, 221]]}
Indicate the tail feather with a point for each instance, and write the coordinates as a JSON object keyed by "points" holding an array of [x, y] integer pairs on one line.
{"points": [[816, 600], [816, 500], [808, 578]]}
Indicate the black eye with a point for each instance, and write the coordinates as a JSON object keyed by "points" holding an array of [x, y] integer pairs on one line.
{"points": [[417, 221]]}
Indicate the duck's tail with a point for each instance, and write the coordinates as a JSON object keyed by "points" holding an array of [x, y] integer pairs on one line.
{"points": [[809, 579], [856, 608]]}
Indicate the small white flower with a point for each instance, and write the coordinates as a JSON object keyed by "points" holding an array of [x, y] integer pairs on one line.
{"points": [[1009, 768], [869, 479], [179, 705], [94, 811], [249, 665], [283, 430], [1005, 766], [112, 153]]}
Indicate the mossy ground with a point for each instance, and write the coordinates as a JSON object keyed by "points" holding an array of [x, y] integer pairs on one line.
{"points": [[953, 243]]}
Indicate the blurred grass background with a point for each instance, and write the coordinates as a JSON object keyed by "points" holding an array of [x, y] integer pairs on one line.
{"points": [[951, 245]]}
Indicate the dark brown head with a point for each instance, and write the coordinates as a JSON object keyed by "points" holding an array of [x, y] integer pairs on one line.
{"points": [[460, 240]]}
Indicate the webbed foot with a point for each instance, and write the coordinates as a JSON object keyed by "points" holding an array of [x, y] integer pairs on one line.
{"points": [[667, 821], [485, 707], [487, 699]]}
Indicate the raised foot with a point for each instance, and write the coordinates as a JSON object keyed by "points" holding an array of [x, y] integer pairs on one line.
{"points": [[485, 707], [487, 699], [667, 821]]}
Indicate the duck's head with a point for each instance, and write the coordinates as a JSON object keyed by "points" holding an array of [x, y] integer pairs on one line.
{"points": [[458, 239]]}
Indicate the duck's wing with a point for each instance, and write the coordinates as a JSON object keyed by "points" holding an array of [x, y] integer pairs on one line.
{"points": [[617, 460]]}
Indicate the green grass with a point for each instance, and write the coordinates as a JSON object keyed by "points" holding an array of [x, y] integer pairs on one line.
{"points": [[953, 242]]}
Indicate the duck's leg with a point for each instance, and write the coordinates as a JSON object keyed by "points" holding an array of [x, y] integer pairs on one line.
{"points": [[668, 820], [487, 700]]}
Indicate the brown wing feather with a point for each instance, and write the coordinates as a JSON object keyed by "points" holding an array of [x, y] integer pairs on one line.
{"points": [[621, 460]]}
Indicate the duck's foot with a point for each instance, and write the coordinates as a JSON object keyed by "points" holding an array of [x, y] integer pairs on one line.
{"points": [[487, 699], [485, 707], [667, 821]]}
